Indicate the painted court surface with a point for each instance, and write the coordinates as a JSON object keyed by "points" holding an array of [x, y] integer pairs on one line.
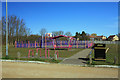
{"points": [[33, 70]]}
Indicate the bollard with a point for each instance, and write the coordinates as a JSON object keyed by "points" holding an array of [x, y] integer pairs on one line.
{"points": [[36, 54], [18, 55], [55, 55], [115, 60], [90, 58], [37, 51]]}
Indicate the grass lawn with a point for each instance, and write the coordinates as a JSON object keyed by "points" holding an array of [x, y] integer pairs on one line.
{"points": [[112, 52], [12, 52]]}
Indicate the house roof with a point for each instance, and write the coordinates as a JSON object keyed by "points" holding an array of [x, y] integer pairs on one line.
{"points": [[111, 36], [99, 36], [96, 36], [92, 36]]}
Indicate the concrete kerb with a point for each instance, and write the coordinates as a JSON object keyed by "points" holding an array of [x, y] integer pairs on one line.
{"points": [[100, 66], [25, 61]]}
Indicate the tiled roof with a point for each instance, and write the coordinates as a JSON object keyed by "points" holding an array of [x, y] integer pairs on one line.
{"points": [[111, 36], [92, 36]]}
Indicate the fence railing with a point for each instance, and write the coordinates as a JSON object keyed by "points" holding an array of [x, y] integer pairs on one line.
{"points": [[74, 44], [106, 42]]}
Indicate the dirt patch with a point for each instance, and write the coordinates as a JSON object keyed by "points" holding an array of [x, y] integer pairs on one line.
{"points": [[33, 70]]}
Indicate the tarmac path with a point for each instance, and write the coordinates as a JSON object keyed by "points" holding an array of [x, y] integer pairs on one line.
{"points": [[78, 58]]}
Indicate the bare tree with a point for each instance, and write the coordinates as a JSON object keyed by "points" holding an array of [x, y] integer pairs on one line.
{"points": [[60, 32], [28, 31], [43, 31], [55, 33], [68, 34], [16, 28]]}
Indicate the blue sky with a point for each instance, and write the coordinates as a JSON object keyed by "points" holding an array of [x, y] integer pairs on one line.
{"points": [[91, 17]]}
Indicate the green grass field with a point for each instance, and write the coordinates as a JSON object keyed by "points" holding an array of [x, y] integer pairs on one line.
{"points": [[63, 53]]}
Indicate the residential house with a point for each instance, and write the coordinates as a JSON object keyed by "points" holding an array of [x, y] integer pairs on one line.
{"points": [[98, 38], [92, 38], [113, 38], [101, 38]]}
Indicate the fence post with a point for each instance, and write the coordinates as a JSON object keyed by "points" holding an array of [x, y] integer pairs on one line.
{"points": [[28, 44], [45, 53], [29, 54], [40, 53], [57, 54], [90, 58], [22, 44], [61, 44], [115, 59], [15, 44], [19, 44], [77, 43], [32, 53], [85, 43], [35, 44], [42, 42]]}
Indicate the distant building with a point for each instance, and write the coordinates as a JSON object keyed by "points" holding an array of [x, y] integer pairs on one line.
{"points": [[98, 38], [113, 38], [92, 38], [101, 38]]}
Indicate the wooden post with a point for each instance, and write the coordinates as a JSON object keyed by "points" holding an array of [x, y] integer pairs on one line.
{"points": [[28, 44], [85, 44], [90, 58], [57, 55], [45, 53], [40, 52], [35, 44], [42, 42], [29, 54], [32, 53], [115, 60], [15, 44], [19, 44], [45, 41], [54, 44], [77, 43], [22, 44], [61, 44]]}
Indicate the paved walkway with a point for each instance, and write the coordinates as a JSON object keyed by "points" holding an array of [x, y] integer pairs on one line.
{"points": [[78, 59]]}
